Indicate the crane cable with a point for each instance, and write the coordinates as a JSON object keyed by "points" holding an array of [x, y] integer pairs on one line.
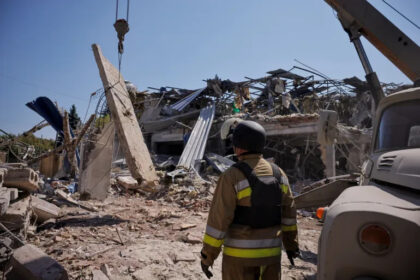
{"points": [[122, 28], [401, 14]]}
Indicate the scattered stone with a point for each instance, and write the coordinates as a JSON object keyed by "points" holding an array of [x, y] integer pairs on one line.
{"points": [[106, 270], [191, 239], [128, 182], [31, 263], [44, 210], [187, 226], [99, 275]]}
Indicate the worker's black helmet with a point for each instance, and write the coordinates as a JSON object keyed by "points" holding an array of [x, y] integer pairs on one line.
{"points": [[249, 136]]}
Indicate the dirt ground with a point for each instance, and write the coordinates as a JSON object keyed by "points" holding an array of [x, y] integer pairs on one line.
{"points": [[147, 239]]}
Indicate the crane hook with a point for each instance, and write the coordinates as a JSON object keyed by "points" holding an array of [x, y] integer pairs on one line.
{"points": [[121, 26]]}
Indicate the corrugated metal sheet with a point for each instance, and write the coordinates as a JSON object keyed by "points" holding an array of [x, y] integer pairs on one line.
{"points": [[194, 150], [181, 104]]}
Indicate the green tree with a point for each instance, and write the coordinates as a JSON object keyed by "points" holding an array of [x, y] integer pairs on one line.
{"points": [[74, 119]]}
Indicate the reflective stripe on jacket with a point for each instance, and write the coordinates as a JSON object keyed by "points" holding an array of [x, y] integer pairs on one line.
{"points": [[240, 242]]}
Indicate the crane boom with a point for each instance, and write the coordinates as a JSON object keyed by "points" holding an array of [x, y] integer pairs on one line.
{"points": [[361, 17]]}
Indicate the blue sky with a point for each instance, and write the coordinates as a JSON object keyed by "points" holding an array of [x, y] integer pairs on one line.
{"points": [[45, 46]]}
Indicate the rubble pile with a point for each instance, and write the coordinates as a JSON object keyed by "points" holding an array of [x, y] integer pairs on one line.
{"points": [[126, 195]]}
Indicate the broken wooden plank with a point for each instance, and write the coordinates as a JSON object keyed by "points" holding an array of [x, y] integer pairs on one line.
{"points": [[31, 263], [22, 178], [50, 165], [96, 162], [136, 153], [44, 210], [61, 194]]}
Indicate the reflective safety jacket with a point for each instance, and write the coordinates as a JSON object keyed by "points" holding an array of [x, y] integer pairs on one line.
{"points": [[242, 244]]}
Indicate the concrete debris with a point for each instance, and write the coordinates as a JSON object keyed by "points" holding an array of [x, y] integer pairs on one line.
{"points": [[22, 178], [31, 263], [98, 275], [3, 172], [14, 193], [4, 200], [17, 216], [130, 136], [44, 210], [128, 182], [96, 163], [149, 165], [64, 196], [106, 270]]}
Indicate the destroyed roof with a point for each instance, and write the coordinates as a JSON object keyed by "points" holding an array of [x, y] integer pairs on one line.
{"points": [[194, 150], [285, 74]]}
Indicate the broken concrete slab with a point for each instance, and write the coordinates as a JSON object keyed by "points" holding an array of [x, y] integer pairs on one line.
{"points": [[324, 194], [17, 215], [96, 164], [4, 200], [44, 210], [98, 275], [31, 263], [22, 178], [131, 138], [106, 270], [127, 182], [3, 172]]}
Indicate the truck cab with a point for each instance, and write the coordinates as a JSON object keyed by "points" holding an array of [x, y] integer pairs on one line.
{"points": [[372, 231]]}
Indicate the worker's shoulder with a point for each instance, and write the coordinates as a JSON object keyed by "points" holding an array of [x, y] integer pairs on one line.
{"points": [[232, 174], [231, 171], [284, 179]]}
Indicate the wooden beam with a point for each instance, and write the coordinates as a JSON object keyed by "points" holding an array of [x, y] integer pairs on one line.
{"points": [[70, 149], [122, 112]]}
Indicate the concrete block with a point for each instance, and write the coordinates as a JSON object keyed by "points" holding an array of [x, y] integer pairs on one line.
{"points": [[22, 178], [14, 193], [17, 215], [31, 263], [44, 210], [127, 182]]}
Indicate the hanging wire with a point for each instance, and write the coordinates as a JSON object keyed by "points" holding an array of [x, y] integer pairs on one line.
{"points": [[121, 26], [116, 11], [401, 14], [128, 8]]}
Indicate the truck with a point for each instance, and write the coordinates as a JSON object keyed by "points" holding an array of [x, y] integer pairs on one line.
{"points": [[372, 231]]}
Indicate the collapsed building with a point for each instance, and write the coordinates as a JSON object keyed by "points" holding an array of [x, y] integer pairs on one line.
{"points": [[171, 143], [286, 104]]}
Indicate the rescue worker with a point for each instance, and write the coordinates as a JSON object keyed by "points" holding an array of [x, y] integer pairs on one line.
{"points": [[252, 213]]}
